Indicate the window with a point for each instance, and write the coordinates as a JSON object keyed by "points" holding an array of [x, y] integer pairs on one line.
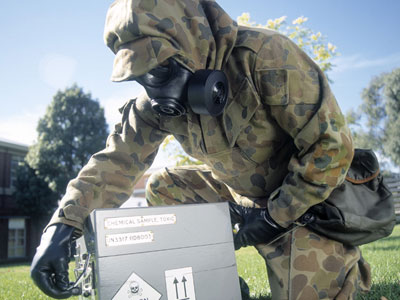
{"points": [[16, 237]]}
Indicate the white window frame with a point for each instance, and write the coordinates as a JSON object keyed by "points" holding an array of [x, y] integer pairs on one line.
{"points": [[15, 225]]}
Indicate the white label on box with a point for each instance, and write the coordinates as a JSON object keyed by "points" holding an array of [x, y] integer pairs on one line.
{"points": [[129, 238], [135, 288], [180, 284], [139, 221]]}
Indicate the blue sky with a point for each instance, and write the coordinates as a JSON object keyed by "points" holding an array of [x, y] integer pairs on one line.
{"points": [[48, 45]]}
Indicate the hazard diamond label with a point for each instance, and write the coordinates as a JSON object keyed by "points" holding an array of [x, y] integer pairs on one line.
{"points": [[135, 288]]}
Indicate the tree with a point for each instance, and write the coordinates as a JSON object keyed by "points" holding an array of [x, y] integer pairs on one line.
{"points": [[72, 129], [381, 108], [314, 44], [360, 137], [32, 193]]}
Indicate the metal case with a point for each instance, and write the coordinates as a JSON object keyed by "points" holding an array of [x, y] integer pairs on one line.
{"points": [[182, 252]]}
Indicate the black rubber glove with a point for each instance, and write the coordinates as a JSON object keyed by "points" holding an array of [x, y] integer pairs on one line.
{"points": [[255, 226], [49, 269]]}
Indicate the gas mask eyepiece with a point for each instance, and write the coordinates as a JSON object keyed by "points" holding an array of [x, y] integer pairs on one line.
{"points": [[172, 87]]}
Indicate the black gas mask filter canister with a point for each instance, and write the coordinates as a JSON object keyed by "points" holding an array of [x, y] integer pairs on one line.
{"points": [[171, 87]]}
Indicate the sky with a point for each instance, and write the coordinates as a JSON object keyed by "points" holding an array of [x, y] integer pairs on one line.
{"points": [[47, 46]]}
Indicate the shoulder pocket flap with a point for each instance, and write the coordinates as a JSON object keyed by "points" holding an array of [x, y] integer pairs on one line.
{"points": [[273, 86]]}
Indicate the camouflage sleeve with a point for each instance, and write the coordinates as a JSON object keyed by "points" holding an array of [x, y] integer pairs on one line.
{"points": [[297, 94], [107, 180]]}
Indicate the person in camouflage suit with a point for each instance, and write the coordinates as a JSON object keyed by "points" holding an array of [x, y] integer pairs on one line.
{"points": [[281, 145]]}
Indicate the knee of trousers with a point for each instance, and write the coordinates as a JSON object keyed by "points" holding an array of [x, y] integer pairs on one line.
{"points": [[161, 189], [157, 180]]}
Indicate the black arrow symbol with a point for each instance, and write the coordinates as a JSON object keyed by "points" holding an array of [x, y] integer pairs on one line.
{"points": [[184, 285], [176, 287]]}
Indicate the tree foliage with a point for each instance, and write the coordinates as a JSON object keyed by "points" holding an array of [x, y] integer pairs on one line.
{"points": [[32, 193], [313, 43], [72, 129], [381, 110]]}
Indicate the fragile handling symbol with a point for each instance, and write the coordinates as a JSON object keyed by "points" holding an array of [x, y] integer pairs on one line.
{"points": [[176, 282]]}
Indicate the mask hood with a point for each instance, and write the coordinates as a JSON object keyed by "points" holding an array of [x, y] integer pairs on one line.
{"points": [[145, 33]]}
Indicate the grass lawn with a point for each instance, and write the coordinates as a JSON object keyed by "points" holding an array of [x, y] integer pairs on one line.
{"points": [[383, 255], [16, 284]]}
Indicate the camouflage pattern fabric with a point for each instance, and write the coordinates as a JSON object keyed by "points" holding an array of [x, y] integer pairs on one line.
{"points": [[302, 265], [281, 142], [144, 33], [107, 180], [281, 136], [280, 101]]}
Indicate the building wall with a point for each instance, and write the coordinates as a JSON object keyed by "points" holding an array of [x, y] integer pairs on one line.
{"points": [[3, 238], [10, 155], [140, 186], [5, 164]]}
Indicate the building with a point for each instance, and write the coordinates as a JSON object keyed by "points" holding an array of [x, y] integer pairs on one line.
{"points": [[19, 234], [138, 197], [15, 229]]}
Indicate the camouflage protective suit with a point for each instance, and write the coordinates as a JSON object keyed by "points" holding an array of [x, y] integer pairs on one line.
{"points": [[281, 142]]}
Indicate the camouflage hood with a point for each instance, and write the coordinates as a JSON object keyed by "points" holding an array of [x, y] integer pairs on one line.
{"points": [[144, 33]]}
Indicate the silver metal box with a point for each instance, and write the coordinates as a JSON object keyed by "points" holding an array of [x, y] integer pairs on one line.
{"points": [[182, 252]]}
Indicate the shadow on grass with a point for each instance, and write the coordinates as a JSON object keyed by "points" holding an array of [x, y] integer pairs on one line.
{"points": [[388, 290], [391, 238], [258, 298], [14, 264], [389, 248]]}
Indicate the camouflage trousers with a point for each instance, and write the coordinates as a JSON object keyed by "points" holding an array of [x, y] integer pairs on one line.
{"points": [[300, 265]]}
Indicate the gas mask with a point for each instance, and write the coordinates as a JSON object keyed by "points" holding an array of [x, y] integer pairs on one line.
{"points": [[172, 88]]}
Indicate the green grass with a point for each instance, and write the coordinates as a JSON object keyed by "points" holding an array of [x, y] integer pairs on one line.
{"points": [[383, 255], [16, 284], [384, 258]]}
